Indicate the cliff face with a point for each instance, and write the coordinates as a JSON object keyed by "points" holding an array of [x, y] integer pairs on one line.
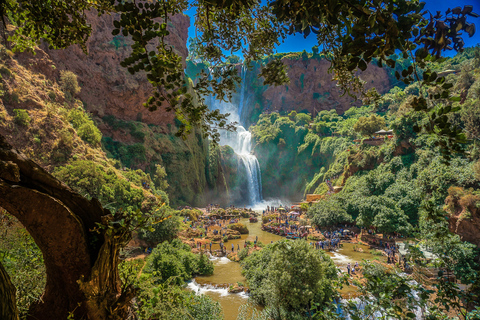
{"points": [[311, 88], [140, 139], [464, 219], [108, 88]]}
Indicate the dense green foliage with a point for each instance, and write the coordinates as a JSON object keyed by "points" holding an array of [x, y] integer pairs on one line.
{"points": [[173, 261], [291, 148], [165, 231], [21, 117], [94, 180], [85, 126], [23, 261], [287, 277], [166, 301]]}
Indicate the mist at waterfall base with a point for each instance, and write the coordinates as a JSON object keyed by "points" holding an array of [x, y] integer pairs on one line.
{"points": [[250, 192]]}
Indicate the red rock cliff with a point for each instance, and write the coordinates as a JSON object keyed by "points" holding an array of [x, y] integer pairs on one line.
{"points": [[108, 88], [311, 87]]}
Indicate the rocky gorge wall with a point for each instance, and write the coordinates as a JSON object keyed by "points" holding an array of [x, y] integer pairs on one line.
{"points": [[140, 139], [311, 88]]}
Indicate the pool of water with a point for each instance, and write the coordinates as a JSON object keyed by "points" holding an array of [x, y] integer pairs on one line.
{"points": [[228, 272]]}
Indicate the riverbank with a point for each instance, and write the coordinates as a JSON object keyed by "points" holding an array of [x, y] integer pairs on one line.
{"points": [[228, 273]]}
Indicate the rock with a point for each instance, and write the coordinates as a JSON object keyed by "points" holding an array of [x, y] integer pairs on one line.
{"points": [[464, 214], [236, 289], [240, 227], [108, 88]]}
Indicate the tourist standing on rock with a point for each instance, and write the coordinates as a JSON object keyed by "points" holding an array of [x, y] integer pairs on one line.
{"points": [[348, 268]]}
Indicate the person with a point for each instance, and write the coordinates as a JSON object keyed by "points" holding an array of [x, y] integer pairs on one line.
{"points": [[210, 246], [356, 265], [348, 268], [353, 270], [233, 247], [238, 247]]}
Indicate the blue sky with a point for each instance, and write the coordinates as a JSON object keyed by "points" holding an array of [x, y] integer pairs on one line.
{"points": [[299, 43]]}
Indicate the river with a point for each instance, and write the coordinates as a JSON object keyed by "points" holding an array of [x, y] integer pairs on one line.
{"points": [[228, 272]]}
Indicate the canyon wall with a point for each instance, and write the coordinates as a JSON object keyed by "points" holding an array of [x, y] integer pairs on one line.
{"points": [[138, 138], [311, 88]]}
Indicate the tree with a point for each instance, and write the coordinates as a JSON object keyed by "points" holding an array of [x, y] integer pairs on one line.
{"points": [[367, 126], [367, 30], [80, 242], [327, 213], [287, 277]]}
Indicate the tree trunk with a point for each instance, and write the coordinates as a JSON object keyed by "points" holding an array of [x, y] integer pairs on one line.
{"points": [[8, 304], [62, 224]]}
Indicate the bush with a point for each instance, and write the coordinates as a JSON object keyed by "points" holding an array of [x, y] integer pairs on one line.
{"points": [[85, 126], [90, 134], [69, 83], [289, 276], [174, 261], [265, 218], [240, 227], [164, 231], [21, 117], [192, 214]]}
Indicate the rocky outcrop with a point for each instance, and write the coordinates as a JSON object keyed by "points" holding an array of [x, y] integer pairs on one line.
{"points": [[107, 88], [312, 89], [463, 207]]}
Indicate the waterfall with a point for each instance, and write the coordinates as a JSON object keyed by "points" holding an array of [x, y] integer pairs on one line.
{"points": [[241, 103], [241, 143]]}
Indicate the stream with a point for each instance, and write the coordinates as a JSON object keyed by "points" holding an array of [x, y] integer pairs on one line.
{"points": [[228, 272]]}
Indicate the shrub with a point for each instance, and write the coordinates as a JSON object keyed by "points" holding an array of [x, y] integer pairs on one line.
{"points": [[69, 83], [192, 214], [66, 139], [164, 231], [175, 261], [90, 133], [85, 126], [21, 117], [240, 227], [5, 72], [77, 117]]}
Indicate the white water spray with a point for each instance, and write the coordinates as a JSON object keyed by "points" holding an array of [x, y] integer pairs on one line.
{"points": [[241, 143]]}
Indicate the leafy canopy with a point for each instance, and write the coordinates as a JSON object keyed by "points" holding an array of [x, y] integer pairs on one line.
{"points": [[351, 35]]}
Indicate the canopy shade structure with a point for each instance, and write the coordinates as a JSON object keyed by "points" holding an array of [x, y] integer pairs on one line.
{"points": [[384, 132]]}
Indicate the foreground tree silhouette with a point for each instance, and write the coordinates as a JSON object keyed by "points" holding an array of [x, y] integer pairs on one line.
{"points": [[81, 260]]}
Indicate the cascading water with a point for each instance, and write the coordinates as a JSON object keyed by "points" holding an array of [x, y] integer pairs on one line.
{"points": [[241, 143]]}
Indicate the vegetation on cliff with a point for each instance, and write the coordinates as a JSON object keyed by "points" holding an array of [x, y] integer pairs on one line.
{"points": [[289, 278], [80, 238]]}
